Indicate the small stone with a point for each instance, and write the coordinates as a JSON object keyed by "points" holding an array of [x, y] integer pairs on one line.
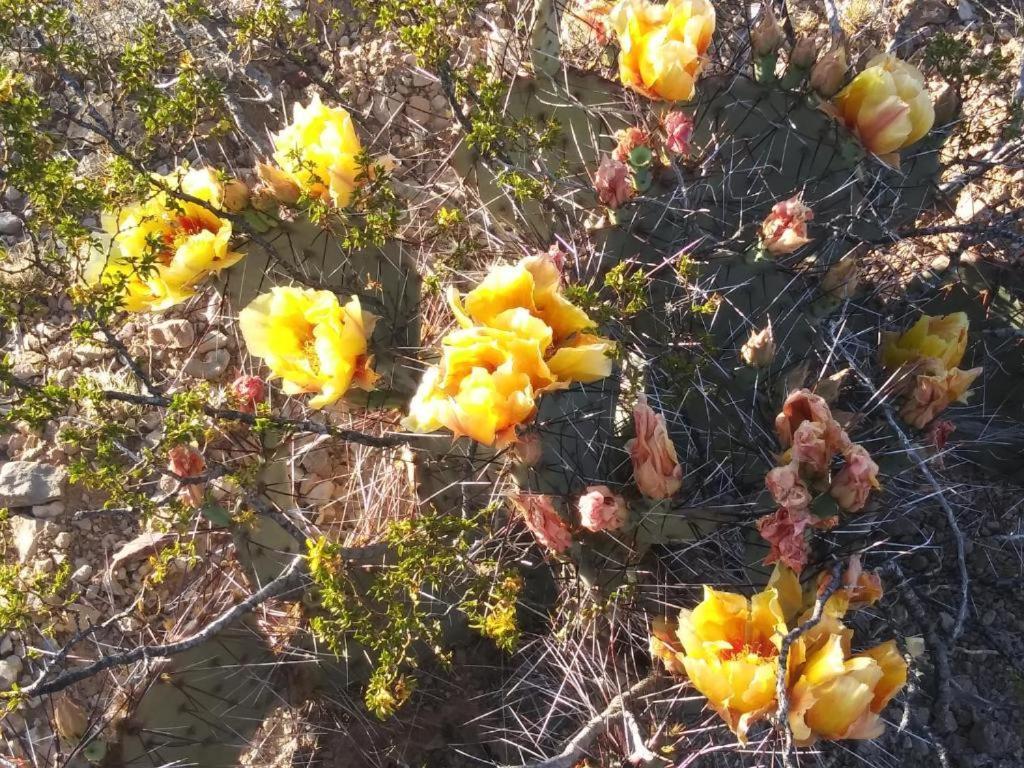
{"points": [[215, 339], [26, 532], [30, 483], [63, 540], [29, 364], [9, 224], [421, 80], [318, 462], [12, 196], [48, 511], [988, 618], [317, 492], [175, 334], [10, 669], [211, 366], [43, 565], [419, 108]]}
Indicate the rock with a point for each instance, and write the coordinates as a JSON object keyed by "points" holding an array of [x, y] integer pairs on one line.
{"points": [[63, 540], [143, 545], [215, 339], [175, 334], [10, 669], [30, 483], [82, 574], [12, 196], [966, 11], [946, 621], [421, 80], [26, 532], [211, 366], [988, 738], [317, 492], [29, 364], [419, 108], [385, 107], [9, 224], [318, 461], [49, 511]]}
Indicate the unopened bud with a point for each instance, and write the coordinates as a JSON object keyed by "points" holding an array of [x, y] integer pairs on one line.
{"points": [[840, 282], [234, 195], [281, 185], [828, 74], [804, 53], [766, 37], [759, 349]]}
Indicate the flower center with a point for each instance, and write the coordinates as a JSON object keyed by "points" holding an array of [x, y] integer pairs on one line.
{"points": [[761, 647]]}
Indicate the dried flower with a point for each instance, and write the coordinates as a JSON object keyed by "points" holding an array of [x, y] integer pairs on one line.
{"points": [[939, 432], [185, 461], [887, 105], [828, 73], [759, 349], [784, 530], [855, 481], [627, 140], [594, 14], [602, 510], [785, 228], [811, 447], [529, 449], [933, 393], [678, 131], [613, 184], [787, 488], [656, 469], [662, 47], [859, 588], [540, 516], [841, 281], [803, 405]]}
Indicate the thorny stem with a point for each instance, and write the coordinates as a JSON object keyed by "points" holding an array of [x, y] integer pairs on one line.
{"points": [[782, 714]]}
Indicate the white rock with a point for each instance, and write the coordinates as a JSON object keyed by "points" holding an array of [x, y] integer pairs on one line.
{"points": [[30, 483], [317, 492], [318, 461], [215, 339], [10, 668], [29, 364], [63, 540], [91, 353], [175, 333], [211, 366], [385, 107], [49, 511], [26, 536], [6, 645]]}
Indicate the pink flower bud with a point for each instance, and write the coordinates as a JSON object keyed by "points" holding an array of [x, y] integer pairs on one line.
{"points": [[612, 183], [678, 131], [602, 510], [855, 481], [246, 392], [785, 228], [540, 516], [784, 530], [656, 468]]}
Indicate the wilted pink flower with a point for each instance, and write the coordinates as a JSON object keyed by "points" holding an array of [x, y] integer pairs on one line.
{"points": [[932, 394], [612, 183], [811, 448], [629, 139], [656, 468], [529, 449], [784, 530], [803, 405], [246, 392], [855, 481], [678, 130], [786, 487], [540, 516], [602, 510], [184, 461], [785, 228]]}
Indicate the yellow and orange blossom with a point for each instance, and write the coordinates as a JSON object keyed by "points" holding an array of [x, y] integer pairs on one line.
{"points": [[887, 105], [729, 646], [317, 154], [180, 242], [310, 341], [942, 338], [662, 46], [519, 337]]}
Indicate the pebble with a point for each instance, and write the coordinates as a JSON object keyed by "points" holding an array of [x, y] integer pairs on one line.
{"points": [[49, 511], [175, 334], [10, 668], [9, 224], [63, 540], [25, 531], [215, 339], [30, 483], [211, 366]]}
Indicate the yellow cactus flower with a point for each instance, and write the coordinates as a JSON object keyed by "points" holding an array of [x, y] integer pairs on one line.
{"points": [[310, 341], [662, 47], [317, 151], [941, 338], [729, 648], [227, 194], [164, 247], [887, 105]]}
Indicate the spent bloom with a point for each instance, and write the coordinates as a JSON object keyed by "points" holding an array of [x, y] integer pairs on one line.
{"points": [[613, 184], [887, 106], [787, 488], [932, 393], [842, 279], [628, 139], [246, 392], [859, 588], [185, 461], [728, 646], [678, 131], [317, 153], [785, 228], [518, 337], [543, 520], [602, 510], [803, 405], [855, 481], [594, 14], [759, 349], [784, 531], [662, 46], [656, 468], [310, 341], [804, 52], [181, 242], [811, 447]]}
